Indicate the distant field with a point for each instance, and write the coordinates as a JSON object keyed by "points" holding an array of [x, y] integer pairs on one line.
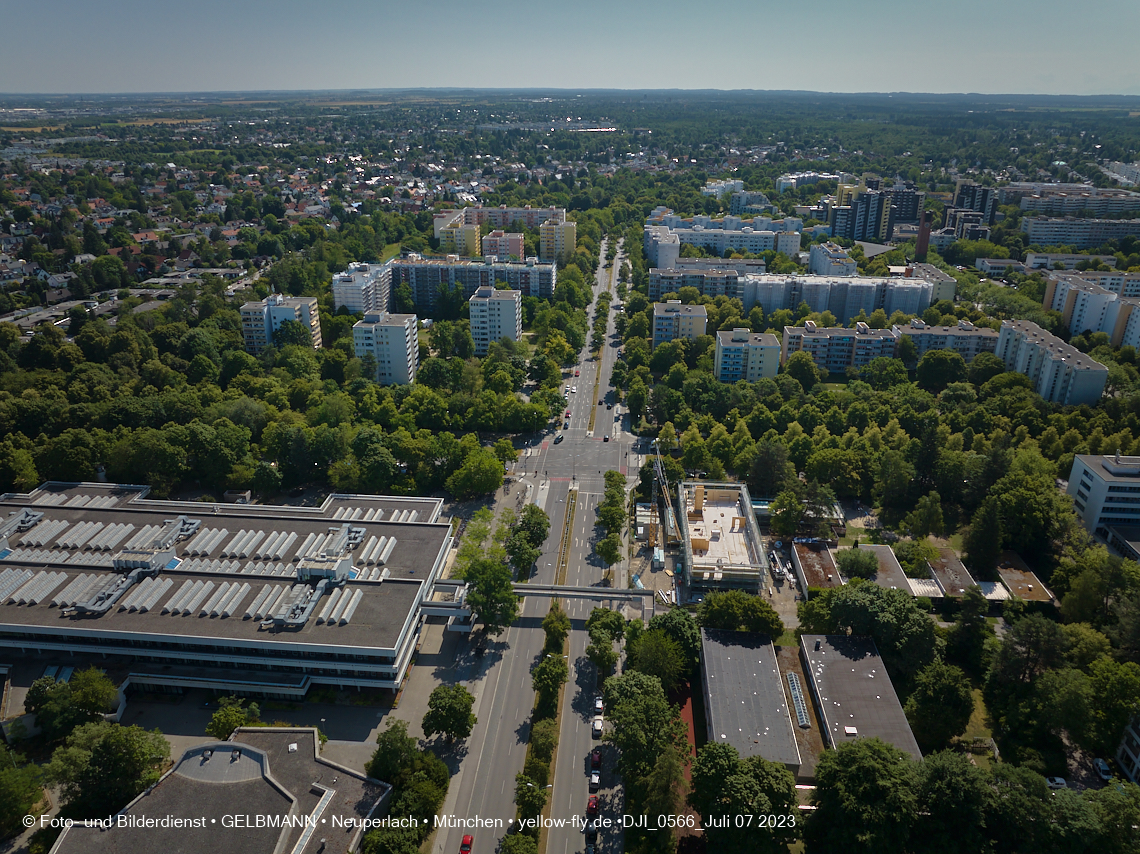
{"points": [[39, 129]]}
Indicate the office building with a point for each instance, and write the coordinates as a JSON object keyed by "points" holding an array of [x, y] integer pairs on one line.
{"points": [[1079, 233], [506, 246], [745, 699], [425, 277], [557, 241], [495, 314], [1060, 373], [259, 320], [1067, 260], [975, 197], [836, 348], [746, 355], [363, 287], [673, 320], [965, 339], [291, 800], [852, 692], [392, 340], [831, 259], [250, 599]]}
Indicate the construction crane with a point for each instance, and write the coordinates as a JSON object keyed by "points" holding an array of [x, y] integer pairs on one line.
{"points": [[660, 481]]}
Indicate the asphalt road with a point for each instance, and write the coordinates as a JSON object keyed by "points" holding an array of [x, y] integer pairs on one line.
{"points": [[496, 750]]}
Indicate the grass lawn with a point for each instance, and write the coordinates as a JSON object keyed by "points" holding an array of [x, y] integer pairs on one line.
{"points": [[390, 252], [788, 638], [977, 728]]}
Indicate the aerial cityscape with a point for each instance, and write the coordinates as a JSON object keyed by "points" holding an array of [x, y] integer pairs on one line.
{"points": [[542, 470]]}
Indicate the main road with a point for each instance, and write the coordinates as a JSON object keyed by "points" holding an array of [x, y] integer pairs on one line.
{"points": [[500, 680]]}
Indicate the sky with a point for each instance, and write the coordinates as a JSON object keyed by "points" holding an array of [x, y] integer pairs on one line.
{"points": [[983, 46]]}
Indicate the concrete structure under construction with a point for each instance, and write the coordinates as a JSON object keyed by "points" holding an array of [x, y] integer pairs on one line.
{"points": [[721, 545]]}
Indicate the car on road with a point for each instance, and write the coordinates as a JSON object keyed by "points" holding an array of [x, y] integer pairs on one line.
{"points": [[598, 705], [577, 372], [596, 728], [1102, 769], [559, 438], [1055, 783], [608, 405], [592, 805], [595, 780], [595, 760], [465, 845], [573, 389], [566, 426], [567, 413], [605, 438]]}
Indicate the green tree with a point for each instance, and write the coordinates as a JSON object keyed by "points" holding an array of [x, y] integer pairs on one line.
{"points": [[481, 473], [529, 797], [953, 795], [938, 368], [771, 470], [982, 541], [504, 449], [491, 594], [102, 767], [19, 791], [857, 563], [657, 654], [449, 712], [940, 706], [556, 624], [865, 799], [608, 620], [608, 548], [787, 511], [984, 367], [231, 714], [802, 368], [884, 373], [681, 626], [395, 751], [663, 789], [601, 650], [967, 638], [548, 678], [59, 707], [518, 843], [736, 610], [292, 333], [926, 518]]}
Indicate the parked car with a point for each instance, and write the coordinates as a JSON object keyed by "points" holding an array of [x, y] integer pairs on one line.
{"points": [[598, 704], [1102, 769], [608, 405], [1056, 783], [465, 845], [592, 805], [592, 831], [595, 781], [559, 438], [596, 728], [596, 760]]}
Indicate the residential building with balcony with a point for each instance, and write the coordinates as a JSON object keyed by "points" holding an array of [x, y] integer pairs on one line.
{"points": [[673, 320], [746, 355], [392, 340], [837, 348], [1060, 373], [259, 320], [495, 314]]}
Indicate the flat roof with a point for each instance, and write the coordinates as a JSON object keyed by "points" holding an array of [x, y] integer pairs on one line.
{"points": [[950, 572], [1021, 580], [276, 772], [1110, 469], [818, 566], [853, 693], [890, 574], [744, 696]]}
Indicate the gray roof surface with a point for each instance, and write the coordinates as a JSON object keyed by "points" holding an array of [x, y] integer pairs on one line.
{"points": [[950, 572], [890, 574], [852, 689], [745, 700]]}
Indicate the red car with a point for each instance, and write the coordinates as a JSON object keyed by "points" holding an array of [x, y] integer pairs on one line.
{"points": [[596, 760], [592, 805], [577, 372], [567, 413], [465, 845]]}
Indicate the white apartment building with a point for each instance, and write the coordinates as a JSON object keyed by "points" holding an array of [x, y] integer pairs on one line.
{"points": [[504, 245], [746, 355], [831, 259], [837, 348], [1106, 492], [363, 288], [259, 320], [1060, 373], [425, 276], [1068, 260], [1120, 283], [720, 189], [392, 340], [1089, 202], [557, 239], [965, 339], [495, 315], [1077, 232], [459, 238], [673, 319]]}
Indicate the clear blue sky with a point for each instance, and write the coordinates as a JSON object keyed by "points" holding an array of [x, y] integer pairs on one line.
{"points": [[986, 46]]}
